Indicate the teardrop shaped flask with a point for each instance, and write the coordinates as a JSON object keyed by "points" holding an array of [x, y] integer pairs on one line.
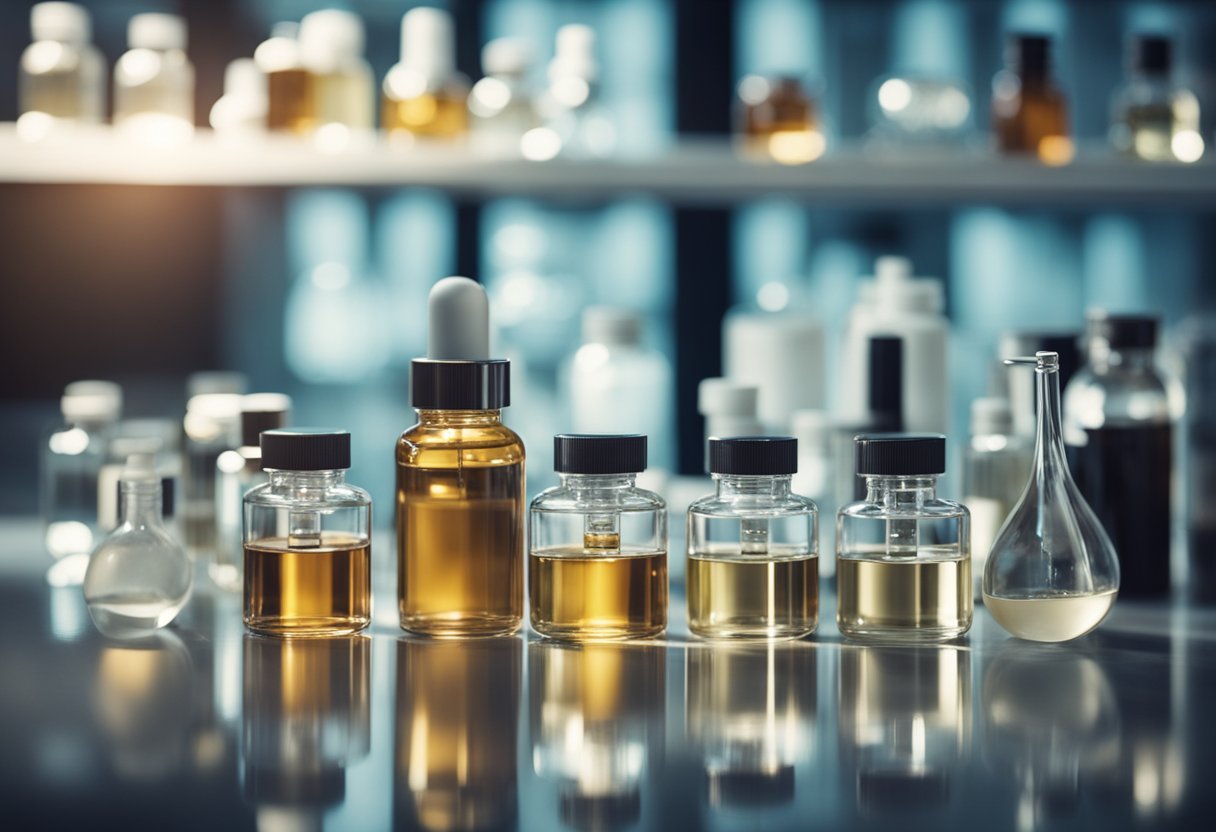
{"points": [[1052, 574]]}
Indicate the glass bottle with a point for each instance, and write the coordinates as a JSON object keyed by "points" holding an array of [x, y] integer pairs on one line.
{"points": [[1197, 337], [571, 104], [1052, 574], [340, 82], [903, 556], [423, 94], [289, 103], [778, 120], [237, 471], [753, 546], [154, 80], [211, 426], [460, 480], [139, 577], [995, 467], [63, 74], [1119, 438], [72, 457], [1029, 112], [598, 564], [307, 539], [1155, 119], [501, 104], [241, 112]]}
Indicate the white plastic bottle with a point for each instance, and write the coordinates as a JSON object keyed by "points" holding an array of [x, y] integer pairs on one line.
{"points": [[729, 408], [62, 73], [154, 81], [618, 385], [894, 303], [782, 355]]}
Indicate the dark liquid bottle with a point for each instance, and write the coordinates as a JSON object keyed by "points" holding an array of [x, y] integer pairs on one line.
{"points": [[1119, 439]]}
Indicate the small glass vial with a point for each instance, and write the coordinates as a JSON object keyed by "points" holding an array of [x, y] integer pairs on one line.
{"points": [[1155, 119], [307, 539], [501, 103], [340, 83], [63, 76], [237, 471], [598, 562], [211, 426], [753, 546], [571, 106], [423, 95], [288, 86], [154, 80], [1029, 112], [903, 556], [778, 120], [139, 577]]}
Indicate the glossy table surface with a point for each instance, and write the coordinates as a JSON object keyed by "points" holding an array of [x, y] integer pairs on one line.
{"points": [[202, 726]]}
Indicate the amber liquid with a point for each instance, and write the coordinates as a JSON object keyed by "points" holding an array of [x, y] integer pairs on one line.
{"points": [[437, 115], [460, 531], [578, 594], [291, 105], [321, 591], [1033, 122], [731, 595], [902, 598]]}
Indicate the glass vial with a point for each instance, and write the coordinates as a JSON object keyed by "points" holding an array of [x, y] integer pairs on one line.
{"points": [[903, 556], [211, 426], [995, 467], [501, 104], [598, 562], [340, 85], [154, 80], [460, 480], [289, 106], [1119, 438], [237, 471], [139, 577], [778, 120], [1155, 119], [307, 539], [571, 104], [72, 458], [753, 546], [63, 76], [423, 95], [1029, 112], [1052, 574]]}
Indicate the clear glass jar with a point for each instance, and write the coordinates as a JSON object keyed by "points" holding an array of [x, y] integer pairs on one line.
{"points": [[154, 81], [1118, 434], [63, 75], [753, 546], [307, 539], [1155, 119], [501, 104], [598, 562], [903, 556], [423, 95], [1029, 111]]}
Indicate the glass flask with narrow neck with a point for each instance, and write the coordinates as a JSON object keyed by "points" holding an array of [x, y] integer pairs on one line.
{"points": [[1052, 574]]}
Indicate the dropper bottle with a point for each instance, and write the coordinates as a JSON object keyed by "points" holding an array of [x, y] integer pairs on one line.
{"points": [[460, 480]]}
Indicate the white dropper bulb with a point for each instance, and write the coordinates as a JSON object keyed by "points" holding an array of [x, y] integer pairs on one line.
{"points": [[458, 325]]}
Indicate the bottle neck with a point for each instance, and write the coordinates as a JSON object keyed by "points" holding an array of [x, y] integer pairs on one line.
{"points": [[1049, 439], [592, 484], [773, 486], [901, 493], [460, 418], [304, 481], [142, 503]]}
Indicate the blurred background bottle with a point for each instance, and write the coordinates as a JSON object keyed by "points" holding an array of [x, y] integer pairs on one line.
{"points": [[423, 94], [154, 81], [1155, 119], [63, 75], [779, 120], [1029, 111], [502, 103]]}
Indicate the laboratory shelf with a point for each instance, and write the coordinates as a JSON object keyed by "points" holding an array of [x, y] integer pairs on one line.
{"points": [[691, 172]]}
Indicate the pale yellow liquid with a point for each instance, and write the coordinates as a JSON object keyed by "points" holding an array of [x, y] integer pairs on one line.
{"points": [[580, 595], [1052, 617], [322, 591], [438, 115], [290, 104], [731, 595], [904, 598]]}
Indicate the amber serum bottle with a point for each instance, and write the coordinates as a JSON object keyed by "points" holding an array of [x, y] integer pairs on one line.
{"points": [[460, 480]]}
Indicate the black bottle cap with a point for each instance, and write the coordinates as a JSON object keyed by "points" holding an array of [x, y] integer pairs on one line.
{"points": [[754, 456], [1028, 54], [1122, 331], [439, 384], [1151, 54], [305, 449], [899, 454], [253, 422], [591, 454]]}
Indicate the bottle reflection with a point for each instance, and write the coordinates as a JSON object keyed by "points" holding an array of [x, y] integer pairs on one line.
{"points": [[143, 704], [750, 712], [597, 718], [457, 722], [905, 723], [1050, 719], [306, 718]]}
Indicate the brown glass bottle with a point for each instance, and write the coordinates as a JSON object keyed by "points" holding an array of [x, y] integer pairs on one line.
{"points": [[1029, 112], [777, 119], [460, 524], [290, 103]]}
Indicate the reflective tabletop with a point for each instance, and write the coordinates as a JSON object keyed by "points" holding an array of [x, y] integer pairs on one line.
{"points": [[204, 726]]}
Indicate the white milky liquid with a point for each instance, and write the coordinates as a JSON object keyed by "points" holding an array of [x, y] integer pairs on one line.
{"points": [[1050, 618]]}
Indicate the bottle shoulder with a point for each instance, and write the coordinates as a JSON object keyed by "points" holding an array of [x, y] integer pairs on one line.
{"points": [[713, 505], [343, 495], [935, 509], [563, 500], [490, 444]]}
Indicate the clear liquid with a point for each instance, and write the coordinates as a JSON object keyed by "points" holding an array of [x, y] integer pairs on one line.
{"points": [[322, 591], [598, 596], [125, 614], [924, 595], [1051, 617], [731, 595]]}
